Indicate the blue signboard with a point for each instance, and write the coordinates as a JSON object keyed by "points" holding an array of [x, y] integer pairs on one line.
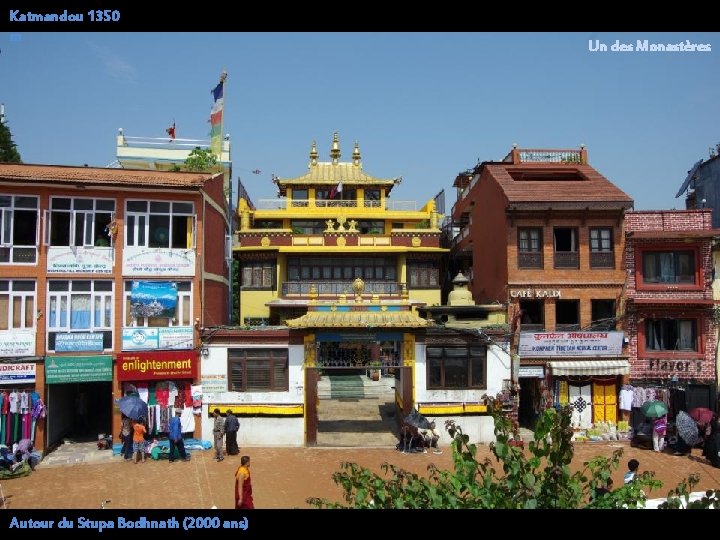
{"points": [[79, 342]]}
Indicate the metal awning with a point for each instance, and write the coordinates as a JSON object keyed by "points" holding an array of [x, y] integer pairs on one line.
{"points": [[615, 366]]}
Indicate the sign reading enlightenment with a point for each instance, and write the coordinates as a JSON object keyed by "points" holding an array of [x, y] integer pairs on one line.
{"points": [[157, 365]]}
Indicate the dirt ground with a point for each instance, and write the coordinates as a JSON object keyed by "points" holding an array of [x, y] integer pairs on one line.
{"points": [[282, 477]]}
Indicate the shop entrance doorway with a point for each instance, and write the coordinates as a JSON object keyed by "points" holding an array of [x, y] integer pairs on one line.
{"points": [[80, 411]]}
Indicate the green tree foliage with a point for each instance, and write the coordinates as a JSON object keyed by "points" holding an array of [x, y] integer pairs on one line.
{"points": [[200, 160], [8, 149], [537, 478]]}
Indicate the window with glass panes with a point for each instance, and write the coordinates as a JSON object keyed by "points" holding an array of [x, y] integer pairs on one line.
{"points": [[671, 335], [423, 274], [258, 370], [341, 268], [160, 224], [79, 306], [456, 367], [78, 221], [660, 267], [258, 274], [17, 304], [19, 227]]}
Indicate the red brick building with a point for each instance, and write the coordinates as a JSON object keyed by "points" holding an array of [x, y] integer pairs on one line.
{"points": [[670, 309], [106, 278], [542, 232]]}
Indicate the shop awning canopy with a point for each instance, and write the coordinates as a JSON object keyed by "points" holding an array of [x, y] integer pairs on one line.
{"points": [[614, 366]]}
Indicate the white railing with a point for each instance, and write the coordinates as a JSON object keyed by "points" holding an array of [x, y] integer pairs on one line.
{"points": [[164, 142], [401, 205]]}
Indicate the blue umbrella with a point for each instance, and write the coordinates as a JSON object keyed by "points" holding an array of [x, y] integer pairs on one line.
{"points": [[133, 407]]}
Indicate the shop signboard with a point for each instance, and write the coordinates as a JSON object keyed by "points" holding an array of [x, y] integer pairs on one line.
{"points": [[157, 365], [78, 369], [158, 262], [147, 339], [79, 260], [17, 344], [17, 373], [79, 342], [554, 344]]}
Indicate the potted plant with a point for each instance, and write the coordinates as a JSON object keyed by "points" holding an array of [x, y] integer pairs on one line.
{"points": [[375, 370]]}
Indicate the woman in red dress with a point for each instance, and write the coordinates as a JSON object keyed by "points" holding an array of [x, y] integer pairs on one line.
{"points": [[243, 485]]}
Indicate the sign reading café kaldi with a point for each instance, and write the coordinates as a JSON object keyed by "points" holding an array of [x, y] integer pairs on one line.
{"points": [[157, 365]]}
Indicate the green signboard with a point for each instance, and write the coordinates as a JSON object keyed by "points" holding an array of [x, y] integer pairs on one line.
{"points": [[77, 369]]}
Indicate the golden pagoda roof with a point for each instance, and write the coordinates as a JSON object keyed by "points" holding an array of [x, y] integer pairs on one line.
{"points": [[331, 173], [355, 319]]}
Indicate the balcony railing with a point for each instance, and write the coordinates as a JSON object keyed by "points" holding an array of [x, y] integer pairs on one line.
{"points": [[567, 259], [541, 155], [530, 259], [602, 259], [302, 288], [282, 204]]}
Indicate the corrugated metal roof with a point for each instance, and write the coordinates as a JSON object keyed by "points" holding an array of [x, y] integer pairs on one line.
{"points": [[101, 176]]}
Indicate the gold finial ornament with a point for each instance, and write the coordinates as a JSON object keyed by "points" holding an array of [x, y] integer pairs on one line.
{"points": [[356, 154], [313, 153], [330, 226], [341, 224], [335, 150], [352, 226], [358, 286]]}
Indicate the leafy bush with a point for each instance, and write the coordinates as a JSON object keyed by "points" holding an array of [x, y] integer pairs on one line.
{"points": [[538, 478]]}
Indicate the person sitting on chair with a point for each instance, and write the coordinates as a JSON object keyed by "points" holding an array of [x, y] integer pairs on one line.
{"points": [[432, 438]]}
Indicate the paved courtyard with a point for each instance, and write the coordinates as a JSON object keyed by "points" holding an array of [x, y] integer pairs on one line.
{"points": [[282, 477]]}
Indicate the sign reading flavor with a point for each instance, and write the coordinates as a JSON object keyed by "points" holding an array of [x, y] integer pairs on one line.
{"points": [[157, 365]]}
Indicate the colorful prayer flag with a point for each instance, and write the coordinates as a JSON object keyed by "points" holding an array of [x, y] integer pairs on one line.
{"points": [[216, 120]]}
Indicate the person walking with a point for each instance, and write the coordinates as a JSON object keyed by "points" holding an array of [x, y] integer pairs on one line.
{"points": [[659, 430], [232, 425], [175, 437], [126, 432], [243, 485], [218, 432]]}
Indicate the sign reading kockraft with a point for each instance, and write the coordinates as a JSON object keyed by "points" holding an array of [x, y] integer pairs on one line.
{"points": [[570, 344], [17, 373], [157, 365]]}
